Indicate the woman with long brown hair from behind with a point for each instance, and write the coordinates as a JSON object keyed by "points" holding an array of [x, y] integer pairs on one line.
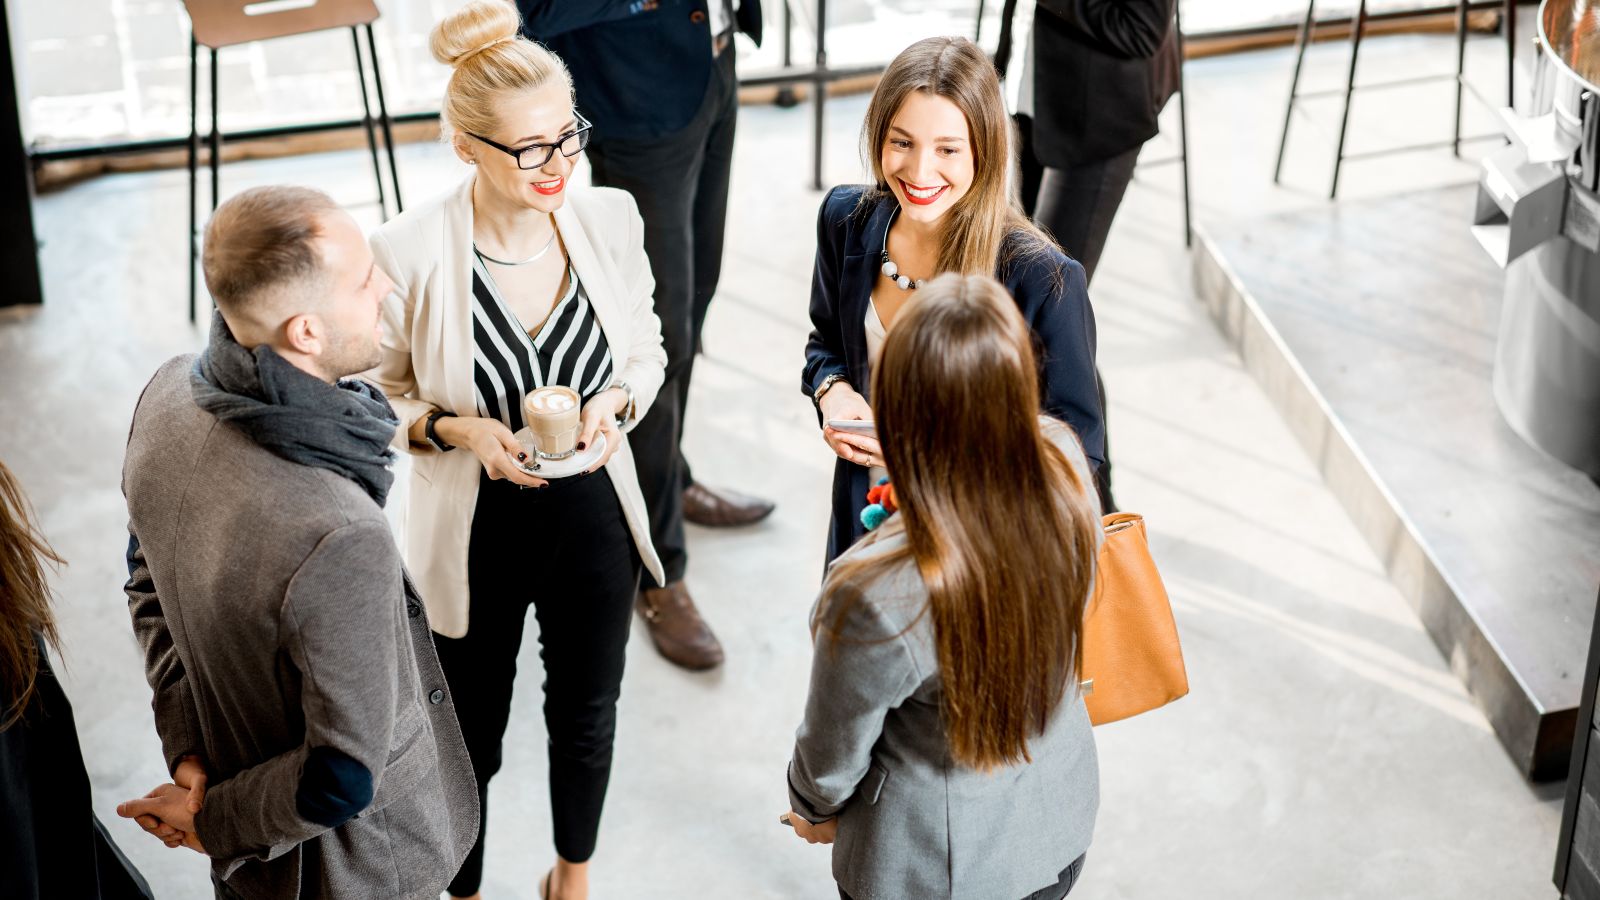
{"points": [[51, 843], [945, 742]]}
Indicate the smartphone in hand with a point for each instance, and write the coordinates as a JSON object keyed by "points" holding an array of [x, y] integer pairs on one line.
{"points": [[863, 427]]}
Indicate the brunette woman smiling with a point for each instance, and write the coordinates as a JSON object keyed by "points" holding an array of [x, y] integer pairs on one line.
{"points": [[513, 282], [938, 140], [945, 745]]}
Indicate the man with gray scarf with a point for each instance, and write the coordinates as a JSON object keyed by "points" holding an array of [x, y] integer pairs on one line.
{"points": [[300, 704]]}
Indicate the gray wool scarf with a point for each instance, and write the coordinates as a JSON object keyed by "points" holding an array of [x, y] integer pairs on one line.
{"points": [[344, 427]]}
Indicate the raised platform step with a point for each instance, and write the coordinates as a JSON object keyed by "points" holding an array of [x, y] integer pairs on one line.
{"points": [[1372, 326]]}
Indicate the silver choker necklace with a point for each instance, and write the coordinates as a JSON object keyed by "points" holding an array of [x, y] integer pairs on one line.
{"points": [[534, 258], [892, 271]]}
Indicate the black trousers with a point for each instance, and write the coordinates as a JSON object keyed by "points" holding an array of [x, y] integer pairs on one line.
{"points": [[1063, 887], [572, 537], [680, 182], [1076, 205]]}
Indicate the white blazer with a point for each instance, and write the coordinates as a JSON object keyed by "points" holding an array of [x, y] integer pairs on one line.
{"points": [[428, 365]]}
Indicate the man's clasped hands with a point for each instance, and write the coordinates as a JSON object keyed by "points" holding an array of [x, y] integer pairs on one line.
{"points": [[168, 811]]}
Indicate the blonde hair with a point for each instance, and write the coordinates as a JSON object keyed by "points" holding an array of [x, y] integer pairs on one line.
{"points": [[976, 232], [24, 600], [480, 42]]}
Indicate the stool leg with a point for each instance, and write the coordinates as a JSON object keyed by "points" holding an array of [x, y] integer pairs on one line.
{"points": [[1300, 44], [1357, 26], [1183, 128], [194, 172], [1461, 69], [216, 138], [383, 117], [1510, 25], [366, 121]]}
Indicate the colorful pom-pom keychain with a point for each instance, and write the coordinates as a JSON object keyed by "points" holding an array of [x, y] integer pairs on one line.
{"points": [[880, 505]]}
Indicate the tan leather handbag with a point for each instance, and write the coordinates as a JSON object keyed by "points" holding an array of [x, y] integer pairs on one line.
{"points": [[1131, 659]]}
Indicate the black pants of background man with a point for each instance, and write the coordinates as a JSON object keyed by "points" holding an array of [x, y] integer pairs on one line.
{"points": [[566, 550], [1057, 891], [1076, 206], [680, 182]]}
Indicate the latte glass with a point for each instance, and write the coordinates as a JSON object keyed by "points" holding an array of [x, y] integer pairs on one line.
{"points": [[552, 417]]}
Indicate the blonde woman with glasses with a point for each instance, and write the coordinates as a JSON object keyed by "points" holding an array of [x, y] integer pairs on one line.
{"points": [[515, 281]]}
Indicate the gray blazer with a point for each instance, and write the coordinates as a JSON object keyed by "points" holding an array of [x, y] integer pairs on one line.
{"points": [[276, 619], [872, 751]]}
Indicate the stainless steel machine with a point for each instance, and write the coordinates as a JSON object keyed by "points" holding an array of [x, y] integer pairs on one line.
{"points": [[1539, 216]]}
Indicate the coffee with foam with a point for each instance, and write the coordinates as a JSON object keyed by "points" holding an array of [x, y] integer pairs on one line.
{"points": [[552, 416], [551, 400]]}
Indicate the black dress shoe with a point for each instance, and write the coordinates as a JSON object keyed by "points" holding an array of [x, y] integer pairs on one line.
{"points": [[723, 508]]}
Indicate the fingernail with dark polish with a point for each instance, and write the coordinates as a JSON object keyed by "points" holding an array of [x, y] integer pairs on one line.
{"points": [[582, 445], [522, 457]]}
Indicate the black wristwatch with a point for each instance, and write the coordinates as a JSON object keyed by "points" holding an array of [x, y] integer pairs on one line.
{"points": [[433, 436]]}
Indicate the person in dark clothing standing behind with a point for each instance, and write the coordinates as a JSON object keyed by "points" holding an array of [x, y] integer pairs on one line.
{"points": [[1094, 77], [51, 842], [656, 77]]}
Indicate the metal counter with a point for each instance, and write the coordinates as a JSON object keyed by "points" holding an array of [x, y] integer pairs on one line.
{"points": [[1539, 216]]}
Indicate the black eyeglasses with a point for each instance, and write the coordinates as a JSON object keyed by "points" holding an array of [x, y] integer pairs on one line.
{"points": [[530, 157]]}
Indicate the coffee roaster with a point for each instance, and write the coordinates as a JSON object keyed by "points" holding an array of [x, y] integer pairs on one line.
{"points": [[1538, 216]]}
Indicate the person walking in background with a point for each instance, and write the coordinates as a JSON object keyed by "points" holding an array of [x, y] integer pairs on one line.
{"points": [[937, 139], [289, 655], [51, 842], [511, 286], [658, 81], [946, 750], [1094, 78]]}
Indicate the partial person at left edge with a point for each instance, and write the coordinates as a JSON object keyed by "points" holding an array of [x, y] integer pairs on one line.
{"points": [[289, 654], [51, 842]]}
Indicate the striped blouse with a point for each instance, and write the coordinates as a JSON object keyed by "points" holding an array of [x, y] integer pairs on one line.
{"points": [[508, 362]]}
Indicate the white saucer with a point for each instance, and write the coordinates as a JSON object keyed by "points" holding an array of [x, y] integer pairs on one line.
{"points": [[559, 468]]}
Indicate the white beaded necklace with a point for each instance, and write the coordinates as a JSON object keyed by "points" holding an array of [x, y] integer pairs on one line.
{"points": [[892, 271]]}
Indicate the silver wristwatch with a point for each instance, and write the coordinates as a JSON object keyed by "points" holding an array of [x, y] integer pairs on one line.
{"points": [[628, 409], [826, 385]]}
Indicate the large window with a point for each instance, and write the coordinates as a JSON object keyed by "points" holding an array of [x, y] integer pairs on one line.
{"points": [[110, 70]]}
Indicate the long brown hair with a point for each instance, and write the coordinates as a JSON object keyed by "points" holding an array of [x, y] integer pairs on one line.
{"points": [[24, 599], [998, 522], [976, 231]]}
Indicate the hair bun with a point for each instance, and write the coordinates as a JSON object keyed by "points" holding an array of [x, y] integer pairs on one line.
{"points": [[476, 27]]}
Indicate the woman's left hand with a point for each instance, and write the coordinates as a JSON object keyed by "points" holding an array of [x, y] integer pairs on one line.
{"points": [[813, 834], [600, 417]]}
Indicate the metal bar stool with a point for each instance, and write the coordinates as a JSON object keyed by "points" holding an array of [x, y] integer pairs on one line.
{"points": [[1358, 24], [226, 23]]}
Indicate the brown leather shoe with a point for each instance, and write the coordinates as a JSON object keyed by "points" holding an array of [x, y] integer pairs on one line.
{"points": [[723, 508], [677, 629]]}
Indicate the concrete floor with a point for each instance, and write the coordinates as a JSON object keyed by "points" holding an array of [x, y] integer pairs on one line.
{"points": [[1325, 750]]}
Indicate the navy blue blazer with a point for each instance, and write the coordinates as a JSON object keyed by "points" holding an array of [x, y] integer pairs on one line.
{"points": [[640, 67], [1049, 288]]}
